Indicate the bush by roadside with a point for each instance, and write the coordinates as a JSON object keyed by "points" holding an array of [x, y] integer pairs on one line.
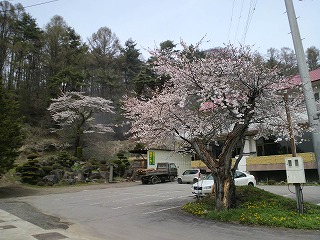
{"points": [[258, 207]]}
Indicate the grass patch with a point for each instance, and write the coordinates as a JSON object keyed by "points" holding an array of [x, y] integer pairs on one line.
{"points": [[259, 207]]}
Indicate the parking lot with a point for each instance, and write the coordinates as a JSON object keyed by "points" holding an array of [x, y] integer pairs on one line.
{"points": [[146, 212]]}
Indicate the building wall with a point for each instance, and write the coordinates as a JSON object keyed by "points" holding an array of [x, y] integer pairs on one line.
{"points": [[248, 150], [276, 162], [270, 167], [182, 160]]}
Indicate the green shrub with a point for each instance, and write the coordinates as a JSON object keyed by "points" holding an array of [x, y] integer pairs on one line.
{"points": [[31, 172], [79, 153], [51, 161], [103, 162], [32, 156], [103, 167], [19, 168], [47, 169], [94, 162], [41, 183], [272, 182], [65, 159], [259, 207], [76, 166], [57, 166]]}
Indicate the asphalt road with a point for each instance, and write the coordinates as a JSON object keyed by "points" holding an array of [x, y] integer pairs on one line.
{"points": [[152, 212], [310, 193]]}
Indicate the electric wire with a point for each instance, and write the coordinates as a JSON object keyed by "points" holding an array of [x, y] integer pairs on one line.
{"points": [[33, 5], [240, 15], [252, 8], [230, 21], [42, 3], [289, 189]]}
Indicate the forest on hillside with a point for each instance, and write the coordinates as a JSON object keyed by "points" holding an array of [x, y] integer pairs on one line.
{"points": [[38, 65]]}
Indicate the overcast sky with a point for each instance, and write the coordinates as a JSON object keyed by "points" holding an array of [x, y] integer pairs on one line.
{"points": [[262, 23]]}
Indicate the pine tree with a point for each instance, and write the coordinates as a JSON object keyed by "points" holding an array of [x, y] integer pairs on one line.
{"points": [[10, 131]]}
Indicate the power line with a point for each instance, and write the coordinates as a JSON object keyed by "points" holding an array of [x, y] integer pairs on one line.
{"points": [[252, 8], [231, 21], [235, 36], [34, 5], [41, 3]]}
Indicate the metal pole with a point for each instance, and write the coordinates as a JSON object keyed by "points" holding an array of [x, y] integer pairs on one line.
{"points": [[297, 186], [299, 199], [306, 82]]}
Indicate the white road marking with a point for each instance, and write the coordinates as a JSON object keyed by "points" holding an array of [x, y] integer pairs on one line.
{"points": [[148, 202], [161, 210], [137, 195]]}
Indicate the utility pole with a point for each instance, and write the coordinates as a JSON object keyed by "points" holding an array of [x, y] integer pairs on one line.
{"points": [[298, 189], [313, 115]]}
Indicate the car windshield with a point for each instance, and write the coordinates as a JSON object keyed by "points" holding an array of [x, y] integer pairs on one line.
{"points": [[192, 172], [208, 177]]}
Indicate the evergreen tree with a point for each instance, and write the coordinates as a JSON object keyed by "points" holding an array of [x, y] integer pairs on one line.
{"points": [[105, 71], [26, 69], [10, 130], [64, 58], [131, 63], [313, 58], [147, 80]]}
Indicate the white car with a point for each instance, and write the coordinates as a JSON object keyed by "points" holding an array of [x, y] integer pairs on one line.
{"points": [[191, 176], [206, 186]]}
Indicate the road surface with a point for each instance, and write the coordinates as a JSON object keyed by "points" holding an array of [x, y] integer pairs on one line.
{"points": [[150, 212]]}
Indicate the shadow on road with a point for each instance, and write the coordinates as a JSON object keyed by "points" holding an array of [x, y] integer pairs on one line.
{"points": [[12, 191], [24, 210]]}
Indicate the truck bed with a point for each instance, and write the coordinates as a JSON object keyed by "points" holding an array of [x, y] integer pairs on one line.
{"points": [[151, 171]]}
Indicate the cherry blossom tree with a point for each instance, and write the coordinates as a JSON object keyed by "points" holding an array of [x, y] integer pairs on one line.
{"points": [[76, 112], [225, 94]]}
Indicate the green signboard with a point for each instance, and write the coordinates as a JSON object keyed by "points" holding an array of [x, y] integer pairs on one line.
{"points": [[151, 158]]}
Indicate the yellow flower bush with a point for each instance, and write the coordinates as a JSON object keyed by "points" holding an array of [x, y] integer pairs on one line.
{"points": [[258, 207]]}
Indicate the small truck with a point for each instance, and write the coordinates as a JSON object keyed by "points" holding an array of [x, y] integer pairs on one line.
{"points": [[164, 172]]}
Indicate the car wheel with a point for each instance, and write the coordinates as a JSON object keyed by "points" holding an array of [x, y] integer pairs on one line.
{"points": [[195, 180], [179, 180], [144, 181], [251, 184], [154, 180]]}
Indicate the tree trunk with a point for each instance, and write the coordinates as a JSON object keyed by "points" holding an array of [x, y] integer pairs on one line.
{"points": [[224, 190], [224, 175], [221, 168]]}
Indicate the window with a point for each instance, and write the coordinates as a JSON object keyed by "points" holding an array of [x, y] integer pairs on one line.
{"points": [[239, 174], [217, 149], [172, 165], [268, 147], [192, 171]]}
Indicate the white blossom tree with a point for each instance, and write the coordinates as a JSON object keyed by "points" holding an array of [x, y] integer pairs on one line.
{"points": [[225, 94], [76, 112]]}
